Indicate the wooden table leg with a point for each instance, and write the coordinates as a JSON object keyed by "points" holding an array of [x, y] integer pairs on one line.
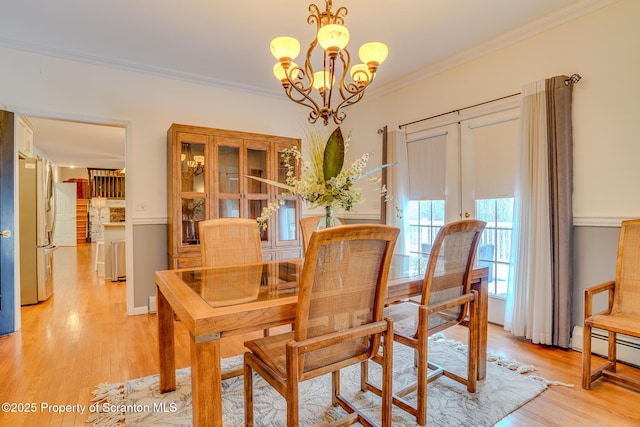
{"points": [[166, 344], [206, 381], [483, 307]]}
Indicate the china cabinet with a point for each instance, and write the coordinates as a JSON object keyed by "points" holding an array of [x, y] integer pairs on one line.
{"points": [[207, 174]]}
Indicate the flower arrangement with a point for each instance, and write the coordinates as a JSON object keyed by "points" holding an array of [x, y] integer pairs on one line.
{"points": [[324, 182]]}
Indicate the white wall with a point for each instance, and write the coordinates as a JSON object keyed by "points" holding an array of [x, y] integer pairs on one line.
{"points": [[603, 47]]}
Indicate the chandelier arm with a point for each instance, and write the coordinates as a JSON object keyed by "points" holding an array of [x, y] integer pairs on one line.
{"points": [[338, 114], [339, 15], [305, 99]]}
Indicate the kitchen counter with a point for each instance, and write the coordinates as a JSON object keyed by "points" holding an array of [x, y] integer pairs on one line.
{"points": [[113, 232]]}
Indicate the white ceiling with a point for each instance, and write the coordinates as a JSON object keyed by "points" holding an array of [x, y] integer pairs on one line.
{"points": [[227, 42]]}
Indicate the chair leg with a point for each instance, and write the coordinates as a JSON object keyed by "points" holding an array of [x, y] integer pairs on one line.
{"points": [[586, 358], [612, 351], [291, 388], [335, 387], [364, 375], [387, 375], [472, 367], [421, 398], [248, 395]]}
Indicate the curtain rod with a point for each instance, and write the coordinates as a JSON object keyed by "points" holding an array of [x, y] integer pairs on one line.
{"points": [[458, 110], [575, 78]]}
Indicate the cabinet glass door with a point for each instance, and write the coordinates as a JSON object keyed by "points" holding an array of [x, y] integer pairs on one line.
{"points": [[193, 167], [288, 214], [228, 178], [257, 192], [192, 213]]}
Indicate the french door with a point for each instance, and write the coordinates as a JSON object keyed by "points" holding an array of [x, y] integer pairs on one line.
{"points": [[466, 169]]}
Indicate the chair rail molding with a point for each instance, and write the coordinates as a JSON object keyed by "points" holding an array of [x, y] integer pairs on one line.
{"points": [[595, 221]]}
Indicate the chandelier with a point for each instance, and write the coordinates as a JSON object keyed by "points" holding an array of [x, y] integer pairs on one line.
{"points": [[299, 82], [192, 165]]}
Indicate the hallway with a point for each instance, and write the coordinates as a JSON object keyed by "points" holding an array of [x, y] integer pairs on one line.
{"points": [[78, 338]]}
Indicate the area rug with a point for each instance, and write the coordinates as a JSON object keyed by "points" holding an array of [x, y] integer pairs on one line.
{"points": [[508, 385]]}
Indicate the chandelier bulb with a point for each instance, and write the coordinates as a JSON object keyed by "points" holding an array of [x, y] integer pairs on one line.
{"points": [[333, 37], [285, 48], [373, 52], [281, 71]]}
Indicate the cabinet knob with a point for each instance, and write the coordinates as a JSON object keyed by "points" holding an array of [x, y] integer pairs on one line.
{"points": [[5, 234]]}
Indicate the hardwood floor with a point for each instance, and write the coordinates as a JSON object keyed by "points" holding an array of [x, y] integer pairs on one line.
{"points": [[82, 337]]}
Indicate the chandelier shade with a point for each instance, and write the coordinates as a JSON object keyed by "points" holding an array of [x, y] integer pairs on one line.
{"points": [[285, 47], [333, 37], [316, 85], [373, 52]]}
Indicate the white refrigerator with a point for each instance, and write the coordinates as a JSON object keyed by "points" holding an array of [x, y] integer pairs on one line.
{"points": [[37, 222]]}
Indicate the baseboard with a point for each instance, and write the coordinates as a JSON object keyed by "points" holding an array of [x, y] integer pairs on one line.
{"points": [[627, 348], [152, 304], [141, 310]]}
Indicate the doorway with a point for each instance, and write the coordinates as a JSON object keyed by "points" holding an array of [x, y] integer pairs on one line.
{"points": [[73, 143]]}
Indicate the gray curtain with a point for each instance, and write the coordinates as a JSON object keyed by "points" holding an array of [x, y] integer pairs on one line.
{"points": [[560, 146]]}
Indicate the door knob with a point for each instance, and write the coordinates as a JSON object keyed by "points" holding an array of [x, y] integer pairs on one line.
{"points": [[6, 234], [467, 214]]}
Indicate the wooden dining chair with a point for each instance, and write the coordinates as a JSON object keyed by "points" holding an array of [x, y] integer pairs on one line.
{"points": [[445, 301], [622, 315], [308, 225], [339, 320], [229, 241]]}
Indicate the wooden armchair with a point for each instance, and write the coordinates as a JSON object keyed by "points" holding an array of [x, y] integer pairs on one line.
{"points": [[622, 315], [446, 294], [339, 320], [307, 226]]}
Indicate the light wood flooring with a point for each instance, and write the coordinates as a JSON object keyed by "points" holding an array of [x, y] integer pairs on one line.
{"points": [[82, 337]]}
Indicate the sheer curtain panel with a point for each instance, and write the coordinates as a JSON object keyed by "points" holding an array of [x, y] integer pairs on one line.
{"points": [[529, 301], [538, 301]]}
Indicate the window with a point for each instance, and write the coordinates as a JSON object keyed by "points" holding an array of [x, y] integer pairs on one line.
{"points": [[425, 217], [494, 249]]}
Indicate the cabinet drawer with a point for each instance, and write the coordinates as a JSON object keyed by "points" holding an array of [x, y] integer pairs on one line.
{"points": [[190, 262]]}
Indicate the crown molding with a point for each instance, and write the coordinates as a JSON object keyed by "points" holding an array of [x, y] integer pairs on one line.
{"points": [[136, 67], [521, 33]]}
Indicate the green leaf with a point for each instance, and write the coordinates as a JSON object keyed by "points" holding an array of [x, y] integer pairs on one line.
{"points": [[333, 155]]}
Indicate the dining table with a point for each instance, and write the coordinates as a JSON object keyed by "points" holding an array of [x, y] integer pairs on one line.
{"points": [[215, 302]]}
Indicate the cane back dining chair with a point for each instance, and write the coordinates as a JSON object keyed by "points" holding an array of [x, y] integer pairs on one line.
{"points": [[308, 225], [445, 301], [229, 241], [622, 315], [339, 320]]}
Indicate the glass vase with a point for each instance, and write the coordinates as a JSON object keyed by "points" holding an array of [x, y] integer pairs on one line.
{"points": [[328, 220]]}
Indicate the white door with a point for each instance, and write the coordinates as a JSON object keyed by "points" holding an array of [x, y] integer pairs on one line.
{"points": [[65, 231], [488, 160]]}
